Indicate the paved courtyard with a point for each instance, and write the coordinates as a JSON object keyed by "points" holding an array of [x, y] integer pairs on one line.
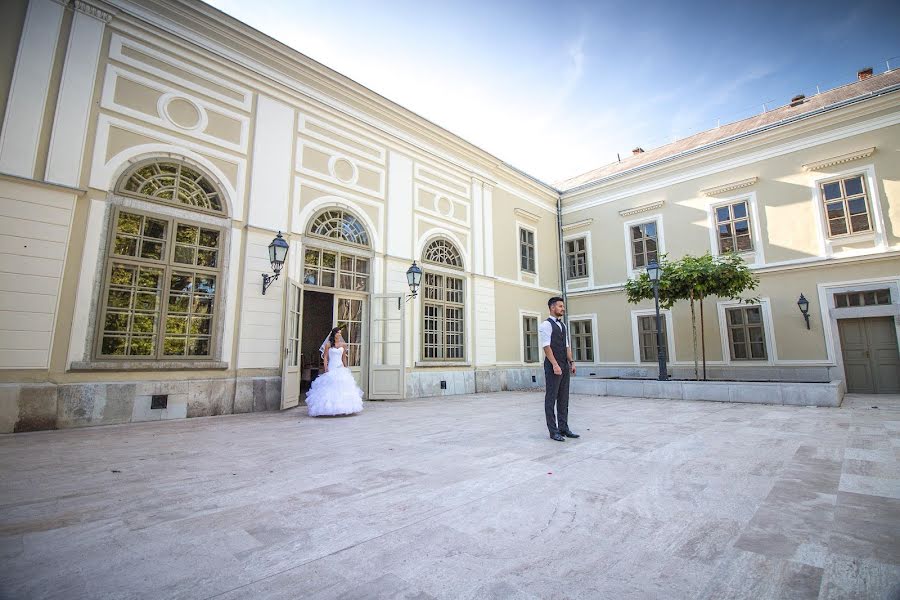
{"points": [[462, 497]]}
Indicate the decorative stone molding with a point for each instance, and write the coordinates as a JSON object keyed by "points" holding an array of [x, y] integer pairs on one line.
{"points": [[577, 225], [92, 11], [641, 209], [527, 215], [837, 160], [734, 185]]}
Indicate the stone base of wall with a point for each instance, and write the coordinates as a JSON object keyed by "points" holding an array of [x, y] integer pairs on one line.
{"points": [[716, 372], [754, 392], [33, 407], [425, 384]]}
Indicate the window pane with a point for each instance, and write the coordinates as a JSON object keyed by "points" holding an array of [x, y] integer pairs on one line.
{"points": [[740, 210], [754, 314], [883, 297], [636, 232], [209, 238], [125, 246], [857, 206], [832, 190], [744, 243], [853, 186], [722, 214], [840, 300], [835, 209], [184, 255], [650, 229], [742, 227], [311, 277], [735, 316], [154, 228], [327, 279], [152, 250], [859, 223], [187, 234], [312, 257], [129, 223], [837, 226]]}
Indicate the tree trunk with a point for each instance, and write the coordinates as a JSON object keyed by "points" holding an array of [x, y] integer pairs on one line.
{"points": [[702, 339], [694, 335]]}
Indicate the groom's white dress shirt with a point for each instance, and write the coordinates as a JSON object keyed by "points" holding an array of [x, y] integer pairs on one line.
{"points": [[545, 331]]}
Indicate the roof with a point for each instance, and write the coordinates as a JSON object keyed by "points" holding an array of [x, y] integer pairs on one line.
{"points": [[857, 89]]}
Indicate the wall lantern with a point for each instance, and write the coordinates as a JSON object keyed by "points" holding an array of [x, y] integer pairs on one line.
{"points": [[803, 303], [414, 279], [653, 272], [277, 253]]}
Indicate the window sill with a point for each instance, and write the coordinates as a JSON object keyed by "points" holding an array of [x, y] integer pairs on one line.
{"points": [[442, 363], [148, 365], [855, 238]]}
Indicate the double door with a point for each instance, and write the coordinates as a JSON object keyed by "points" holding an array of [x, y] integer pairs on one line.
{"points": [[871, 359]]}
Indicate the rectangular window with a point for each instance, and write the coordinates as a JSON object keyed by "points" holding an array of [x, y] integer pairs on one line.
{"points": [[644, 249], [576, 258], [443, 326], [335, 270], [161, 289], [846, 206], [582, 341], [746, 333], [530, 339], [868, 298], [733, 228], [526, 250], [647, 338]]}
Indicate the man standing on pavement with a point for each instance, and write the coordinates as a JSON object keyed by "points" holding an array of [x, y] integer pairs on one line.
{"points": [[558, 366]]}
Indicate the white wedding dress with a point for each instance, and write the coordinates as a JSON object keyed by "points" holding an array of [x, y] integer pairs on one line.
{"points": [[334, 392]]}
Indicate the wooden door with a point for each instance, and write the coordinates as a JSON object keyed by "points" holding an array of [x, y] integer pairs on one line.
{"points": [[290, 369], [871, 359], [348, 315]]}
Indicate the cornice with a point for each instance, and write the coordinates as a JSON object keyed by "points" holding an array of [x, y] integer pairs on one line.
{"points": [[92, 11], [839, 160], [527, 215], [642, 209], [734, 185], [577, 225]]}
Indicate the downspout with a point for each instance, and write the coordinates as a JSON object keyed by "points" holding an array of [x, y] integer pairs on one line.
{"points": [[562, 258]]}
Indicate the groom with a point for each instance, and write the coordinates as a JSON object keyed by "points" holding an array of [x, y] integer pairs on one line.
{"points": [[557, 366]]}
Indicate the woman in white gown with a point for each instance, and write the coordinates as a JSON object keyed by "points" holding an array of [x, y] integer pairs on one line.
{"points": [[335, 391]]}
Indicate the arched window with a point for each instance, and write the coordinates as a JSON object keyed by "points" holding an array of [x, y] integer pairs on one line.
{"points": [[173, 183], [443, 304], [336, 224], [161, 292], [442, 252]]}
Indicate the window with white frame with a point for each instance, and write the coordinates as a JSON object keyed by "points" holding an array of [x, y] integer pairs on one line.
{"points": [[644, 244], [582, 341], [746, 333], [530, 349], [526, 251], [647, 337], [847, 209], [865, 298], [576, 258], [443, 305], [161, 290], [733, 227]]}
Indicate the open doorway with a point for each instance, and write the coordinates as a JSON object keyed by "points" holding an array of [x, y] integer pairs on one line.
{"points": [[318, 308]]}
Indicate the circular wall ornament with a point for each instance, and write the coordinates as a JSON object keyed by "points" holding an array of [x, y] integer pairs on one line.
{"points": [[443, 205], [182, 112], [343, 169]]}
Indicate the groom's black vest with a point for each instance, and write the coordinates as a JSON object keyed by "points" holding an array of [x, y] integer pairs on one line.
{"points": [[558, 342]]}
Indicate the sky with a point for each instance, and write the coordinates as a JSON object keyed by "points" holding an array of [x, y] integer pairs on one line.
{"points": [[556, 88]]}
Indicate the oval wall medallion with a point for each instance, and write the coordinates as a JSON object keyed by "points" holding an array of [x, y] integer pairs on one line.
{"points": [[343, 169], [182, 112], [444, 206]]}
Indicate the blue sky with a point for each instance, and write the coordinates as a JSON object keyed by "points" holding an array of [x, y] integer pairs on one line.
{"points": [[558, 88]]}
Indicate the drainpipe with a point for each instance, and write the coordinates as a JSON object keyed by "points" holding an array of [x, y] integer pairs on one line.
{"points": [[562, 259]]}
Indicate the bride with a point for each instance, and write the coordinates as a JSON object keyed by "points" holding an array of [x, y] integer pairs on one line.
{"points": [[334, 392]]}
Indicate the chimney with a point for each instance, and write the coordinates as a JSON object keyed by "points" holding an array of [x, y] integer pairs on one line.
{"points": [[864, 73], [637, 151], [797, 100]]}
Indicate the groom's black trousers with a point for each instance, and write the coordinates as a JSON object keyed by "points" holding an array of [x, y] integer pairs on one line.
{"points": [[557, 396]]}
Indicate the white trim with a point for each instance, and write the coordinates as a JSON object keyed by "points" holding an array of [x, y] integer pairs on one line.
{"points": [[530, 199], [438, 232], [27, 100], [488, 200], [595, 336], [588, 258], [379, 155], [830, 315], [478, 226], [596, 197], [630, 271], [727, 187], [400, 224], [115, 52], [578, 224], [758, 253], [523, 274], [348, 205], [768, 327], [628, 212], [526, 285], [330, 177], [877, 235], [838, 160], [670, 336], [76, 91], [434, 211], [537, 315], [432, 175]]}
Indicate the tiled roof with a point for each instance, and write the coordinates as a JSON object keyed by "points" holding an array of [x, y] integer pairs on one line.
{"points": [[772, 117]]}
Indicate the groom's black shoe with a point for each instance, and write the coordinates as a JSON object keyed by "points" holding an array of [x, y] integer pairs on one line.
{"points": [[557, 437], [569, 434]]}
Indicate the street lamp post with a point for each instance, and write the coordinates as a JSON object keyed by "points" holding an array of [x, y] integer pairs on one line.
{"points": [[653, 271]]}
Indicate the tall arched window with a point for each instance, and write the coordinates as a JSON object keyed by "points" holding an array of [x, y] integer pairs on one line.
{"points": [[443, 304], [173, 183], [161, 289]]}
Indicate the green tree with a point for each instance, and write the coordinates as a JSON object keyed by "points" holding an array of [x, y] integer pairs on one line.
{"points": [[694, 278]]}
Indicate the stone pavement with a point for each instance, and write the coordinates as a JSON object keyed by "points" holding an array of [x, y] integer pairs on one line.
{"points": [[462, 497]]}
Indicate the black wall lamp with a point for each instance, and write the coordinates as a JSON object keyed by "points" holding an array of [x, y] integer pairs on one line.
{"points": [[414, 279], [278, 250], [803, 303]]}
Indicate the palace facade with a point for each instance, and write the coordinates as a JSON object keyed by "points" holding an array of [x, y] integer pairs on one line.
{"points": [[152, 151]]}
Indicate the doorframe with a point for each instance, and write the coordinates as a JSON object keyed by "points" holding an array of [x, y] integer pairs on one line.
{"points": [[365, 298], [289, 286], [831, 314], [401, 298]]}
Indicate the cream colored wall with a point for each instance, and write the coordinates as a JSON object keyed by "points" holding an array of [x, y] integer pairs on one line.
{"points": [[12, 19], [509, 301], [506, 240]]}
